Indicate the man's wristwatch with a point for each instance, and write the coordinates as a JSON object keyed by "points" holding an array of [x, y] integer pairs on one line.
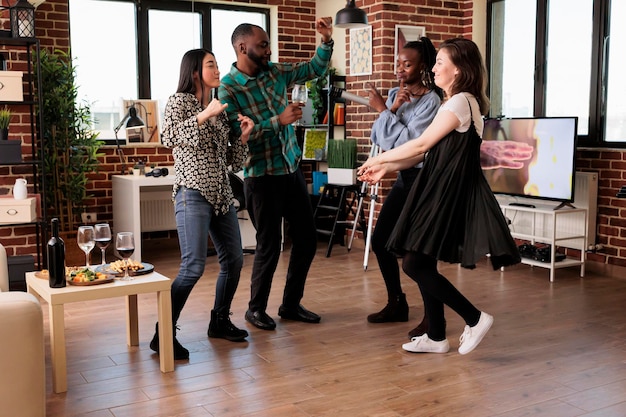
{"points": [[331, 42]]}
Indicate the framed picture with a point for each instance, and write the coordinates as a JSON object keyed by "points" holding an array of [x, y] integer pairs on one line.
{"points": [[361, 51], [315, 143], [148, 111], [406, 34]]}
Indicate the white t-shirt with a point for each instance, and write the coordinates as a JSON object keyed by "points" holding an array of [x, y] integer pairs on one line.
{"points": [[457, 104]]}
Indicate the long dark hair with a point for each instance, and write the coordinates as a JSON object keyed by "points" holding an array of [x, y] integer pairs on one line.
{"points": [[427, 53], [472, 77], [192, 62]]}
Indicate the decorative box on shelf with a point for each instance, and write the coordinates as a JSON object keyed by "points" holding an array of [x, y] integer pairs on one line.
{"points": [[10, 151], [17, 211], [11, 86]]}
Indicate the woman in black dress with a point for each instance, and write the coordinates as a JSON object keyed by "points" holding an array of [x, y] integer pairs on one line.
{"points": [[451, 214]]}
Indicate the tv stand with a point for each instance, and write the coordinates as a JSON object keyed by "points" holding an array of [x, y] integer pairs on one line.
{"points": [[564, 204], [567, 228]]}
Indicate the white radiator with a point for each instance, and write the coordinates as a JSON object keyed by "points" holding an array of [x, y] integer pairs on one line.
{"points": [[585, 196], [157, 210]]}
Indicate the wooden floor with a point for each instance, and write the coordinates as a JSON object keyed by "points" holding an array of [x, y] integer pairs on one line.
{"points": [[555, 350]]}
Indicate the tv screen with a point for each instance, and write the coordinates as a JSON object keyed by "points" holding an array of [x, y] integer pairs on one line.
{"points": [[551, 170]]}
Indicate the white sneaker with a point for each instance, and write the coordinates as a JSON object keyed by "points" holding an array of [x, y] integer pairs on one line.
{"points": [[424, 344], [472, 336]]}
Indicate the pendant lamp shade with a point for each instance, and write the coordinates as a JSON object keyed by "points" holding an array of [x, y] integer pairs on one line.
{"points": [[350, 17]]}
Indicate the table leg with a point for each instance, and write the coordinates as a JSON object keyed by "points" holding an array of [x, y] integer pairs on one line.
{"points": [[166, 332], [132, 321], [58, 355]]}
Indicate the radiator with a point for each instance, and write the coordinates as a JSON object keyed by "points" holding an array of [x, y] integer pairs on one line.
{"points": [[157, 210], [585, 196]]}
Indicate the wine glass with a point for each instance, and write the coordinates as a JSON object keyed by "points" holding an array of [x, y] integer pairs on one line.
{"points": [[103, 238], [86, 241], [125, 245], [299, 95]]}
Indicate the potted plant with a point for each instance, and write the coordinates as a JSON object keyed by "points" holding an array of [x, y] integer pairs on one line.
{"points": [[70, 144], [5, 119], [342, 161], [318, 95]]}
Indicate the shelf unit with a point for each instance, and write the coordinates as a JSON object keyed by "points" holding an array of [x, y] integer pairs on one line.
{"points": [[28, 52], [565, 227], [340, 82]]}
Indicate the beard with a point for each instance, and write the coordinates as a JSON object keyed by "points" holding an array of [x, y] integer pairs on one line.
{"points": [[259, 60]]}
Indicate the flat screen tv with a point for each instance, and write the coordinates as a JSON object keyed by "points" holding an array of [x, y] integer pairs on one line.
{"points": [[550, 172]]}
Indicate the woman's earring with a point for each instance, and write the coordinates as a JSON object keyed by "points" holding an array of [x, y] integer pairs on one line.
{"points": [[427, 80]]}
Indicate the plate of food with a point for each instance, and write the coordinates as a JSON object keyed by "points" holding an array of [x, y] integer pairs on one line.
{"points": [[45, 274], [134, 268], [86, 276]]}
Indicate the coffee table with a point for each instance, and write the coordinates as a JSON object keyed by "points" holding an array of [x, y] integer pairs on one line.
{"points": [[58, 297]]}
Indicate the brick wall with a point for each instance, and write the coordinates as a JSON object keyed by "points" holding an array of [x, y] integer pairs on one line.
{"points": [[610, 164], [297, 41]]}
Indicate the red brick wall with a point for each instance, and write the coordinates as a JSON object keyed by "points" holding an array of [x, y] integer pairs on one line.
{"points": [[297, 41], [610, 164]]}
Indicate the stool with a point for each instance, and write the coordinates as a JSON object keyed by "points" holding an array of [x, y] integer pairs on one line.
{"points": [[337, 208]]}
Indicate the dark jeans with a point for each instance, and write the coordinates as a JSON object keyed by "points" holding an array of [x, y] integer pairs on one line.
{"points": [[387, 218], [195, 222], [268, 199], [436, 291]]}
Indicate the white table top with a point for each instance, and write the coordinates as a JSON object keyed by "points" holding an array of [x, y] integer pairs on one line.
{"points": [[148, 283]]}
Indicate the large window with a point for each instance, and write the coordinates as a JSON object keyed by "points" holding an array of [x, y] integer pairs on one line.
{"points": [[560, 58], [138, 50]]}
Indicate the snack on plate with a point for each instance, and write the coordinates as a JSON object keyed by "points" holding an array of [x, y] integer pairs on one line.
{"points": [[118, 266], [71, 269], [85, 275]]}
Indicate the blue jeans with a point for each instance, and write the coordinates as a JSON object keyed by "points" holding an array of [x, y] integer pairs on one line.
{"points": [[195, 222]]}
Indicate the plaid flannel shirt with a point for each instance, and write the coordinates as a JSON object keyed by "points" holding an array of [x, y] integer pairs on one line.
{"points": [[273, 149]]}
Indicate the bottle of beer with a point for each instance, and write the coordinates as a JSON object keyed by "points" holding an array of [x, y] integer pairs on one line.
{"points": [[56, 257]]}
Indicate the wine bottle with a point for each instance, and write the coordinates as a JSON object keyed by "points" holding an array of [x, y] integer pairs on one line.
{"points": [[56, 257]]}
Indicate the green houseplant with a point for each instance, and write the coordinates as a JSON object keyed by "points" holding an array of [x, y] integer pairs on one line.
{"points": [[5, 119], [342, 156], [71, 146], [317, 94]]}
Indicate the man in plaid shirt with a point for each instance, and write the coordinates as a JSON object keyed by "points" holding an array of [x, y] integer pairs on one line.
{"points": [[274, 184]]}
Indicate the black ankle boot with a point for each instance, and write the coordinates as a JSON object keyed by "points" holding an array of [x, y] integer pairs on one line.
{"points": [[396, 309], [179, 350], [221, 326], [421, 328]]}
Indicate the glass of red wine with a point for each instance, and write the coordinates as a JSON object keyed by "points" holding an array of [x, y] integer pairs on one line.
{"points": [[103, 238], [125, 245]]}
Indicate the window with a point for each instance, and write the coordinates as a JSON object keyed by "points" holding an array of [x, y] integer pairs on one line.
{"points": [[138, 52], [560, 58]]}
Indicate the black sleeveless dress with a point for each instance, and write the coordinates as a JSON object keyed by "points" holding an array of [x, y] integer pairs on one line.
{"points": [[451, 213]]}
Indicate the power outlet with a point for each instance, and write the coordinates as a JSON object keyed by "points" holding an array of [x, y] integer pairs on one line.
{"points": [[89, 217]]}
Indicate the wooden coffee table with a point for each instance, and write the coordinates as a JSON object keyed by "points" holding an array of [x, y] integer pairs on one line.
{"points": [[58, 297]]}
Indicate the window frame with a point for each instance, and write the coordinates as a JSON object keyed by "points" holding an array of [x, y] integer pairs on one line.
{"points": [[597, 86], [142, 8]]}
